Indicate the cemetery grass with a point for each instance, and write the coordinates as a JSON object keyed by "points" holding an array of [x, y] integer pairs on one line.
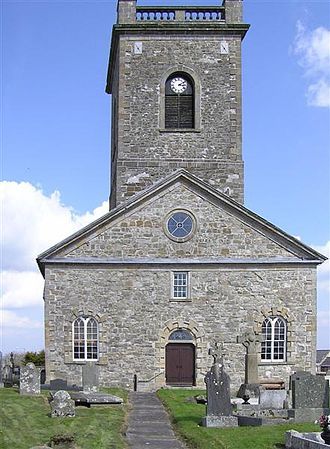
{"points": [[25, 422], [186, 416]]}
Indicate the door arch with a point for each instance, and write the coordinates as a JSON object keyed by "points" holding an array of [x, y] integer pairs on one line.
{"points": [[180, 359]]}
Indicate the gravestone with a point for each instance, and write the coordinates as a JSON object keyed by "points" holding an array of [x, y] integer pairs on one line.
{"points": [[1, 381], [250, 341], [58, 384], [309, 390], [62, 405], [29, 380], [272, 399], [8, 376], [219, 408], [90, 377], [310, 396]]}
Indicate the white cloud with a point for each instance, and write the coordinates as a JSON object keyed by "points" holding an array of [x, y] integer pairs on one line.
{"points": [[31, 223], [313, 51], [323, 270], [21, 289], [11, 320]]}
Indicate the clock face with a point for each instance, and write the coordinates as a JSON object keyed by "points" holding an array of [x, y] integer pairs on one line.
{"points": [[179, 85]]}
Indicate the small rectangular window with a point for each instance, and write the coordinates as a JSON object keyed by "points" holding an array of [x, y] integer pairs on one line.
{"points": [[180, 287]]}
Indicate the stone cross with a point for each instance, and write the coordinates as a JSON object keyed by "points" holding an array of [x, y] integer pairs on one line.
{"points": [[29, 380], [216, 353], [251, 341], [12, 362]]}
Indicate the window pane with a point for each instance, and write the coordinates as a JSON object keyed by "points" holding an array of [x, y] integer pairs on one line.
{"points": [[273, 348], [85, 339], [180, 285], [181, 334]]}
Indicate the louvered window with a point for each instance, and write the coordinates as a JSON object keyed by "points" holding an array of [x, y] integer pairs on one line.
{"points": [[179, 102]]}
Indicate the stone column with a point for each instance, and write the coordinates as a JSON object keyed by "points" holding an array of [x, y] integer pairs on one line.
{"points": [[126, 11], [234, 11], [250, 340]]}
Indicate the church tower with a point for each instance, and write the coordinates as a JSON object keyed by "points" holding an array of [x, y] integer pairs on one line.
{"points": [[175, 79], [141, 294]]}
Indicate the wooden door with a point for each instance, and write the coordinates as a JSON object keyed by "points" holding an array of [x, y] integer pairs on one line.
{"points": [[180, 364]]}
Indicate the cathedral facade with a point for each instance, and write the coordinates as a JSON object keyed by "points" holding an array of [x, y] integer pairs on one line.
{"points": [[178, 263]]}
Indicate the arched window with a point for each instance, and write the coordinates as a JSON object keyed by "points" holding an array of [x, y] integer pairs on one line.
{"points": [[179, 101], [273, 349], [85, 338], [181, 335]]}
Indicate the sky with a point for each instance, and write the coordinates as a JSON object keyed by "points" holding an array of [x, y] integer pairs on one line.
{"points": [[55, 135]]}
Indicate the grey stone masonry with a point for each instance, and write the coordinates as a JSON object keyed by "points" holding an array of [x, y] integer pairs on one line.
{"points": [[135, 309], [143, 151], [29, 380]]}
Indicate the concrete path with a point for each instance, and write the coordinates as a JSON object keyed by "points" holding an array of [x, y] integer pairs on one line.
{"points": [[149, 425]]}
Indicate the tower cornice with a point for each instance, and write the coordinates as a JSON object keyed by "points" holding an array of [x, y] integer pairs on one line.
{"points": [[169, 28]]}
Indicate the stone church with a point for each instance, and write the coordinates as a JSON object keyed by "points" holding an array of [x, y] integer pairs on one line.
{"points": [[178, 262]]}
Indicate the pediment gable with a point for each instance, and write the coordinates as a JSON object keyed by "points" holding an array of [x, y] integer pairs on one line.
{"points": [[225, 230]]}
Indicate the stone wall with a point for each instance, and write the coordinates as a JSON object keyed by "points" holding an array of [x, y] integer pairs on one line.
{"points": [[143, 152], [136, 313], [219, 234]]}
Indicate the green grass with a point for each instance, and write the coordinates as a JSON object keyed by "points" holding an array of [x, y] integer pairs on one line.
{"points": [[25, 422], [186, 417]]}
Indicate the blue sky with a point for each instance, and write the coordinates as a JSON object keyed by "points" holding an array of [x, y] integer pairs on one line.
{"points": [[55, 133]]}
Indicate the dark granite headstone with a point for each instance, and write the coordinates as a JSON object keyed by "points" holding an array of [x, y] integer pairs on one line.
{"points": [[218, 392], [219, 408], [58, 384], [309, 390]]}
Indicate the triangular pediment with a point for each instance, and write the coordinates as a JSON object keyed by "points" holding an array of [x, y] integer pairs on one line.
{"points": [[226, 231]]}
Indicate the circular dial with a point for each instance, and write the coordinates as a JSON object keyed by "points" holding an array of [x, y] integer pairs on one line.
{"points": [[180, 225], [179, 85]]}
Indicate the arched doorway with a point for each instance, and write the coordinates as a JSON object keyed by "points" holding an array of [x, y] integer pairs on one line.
{"points": [[180, 359]]}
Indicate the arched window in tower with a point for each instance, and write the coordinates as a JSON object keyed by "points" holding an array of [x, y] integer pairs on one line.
{"points": [[85, 338], [273, 349], [179, 101]]}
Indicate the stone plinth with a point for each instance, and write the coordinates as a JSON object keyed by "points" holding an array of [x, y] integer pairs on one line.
{"points": [[307, 414], [220, 421]]}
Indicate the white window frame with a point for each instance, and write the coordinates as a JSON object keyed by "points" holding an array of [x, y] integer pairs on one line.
{"points": [[273, 320], [85, 321], [174, 285]]}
